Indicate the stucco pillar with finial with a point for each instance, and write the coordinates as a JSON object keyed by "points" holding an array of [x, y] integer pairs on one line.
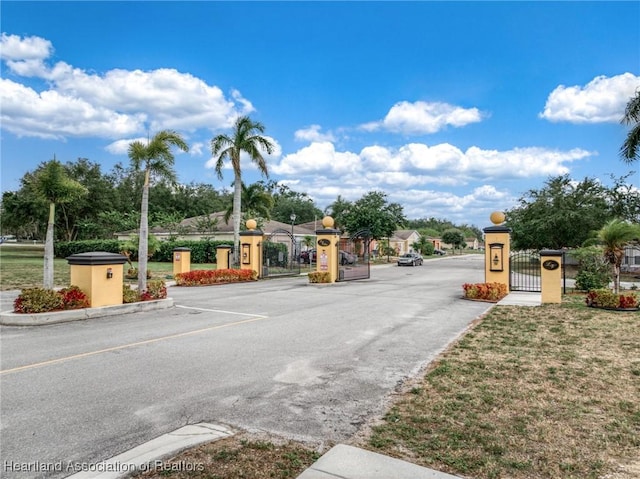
{"points": [[497, 244], [250, 241], [327, 248]]}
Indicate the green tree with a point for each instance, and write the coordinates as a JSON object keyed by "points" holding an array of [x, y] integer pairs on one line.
{"points": [[561, 214], [155, 158], [338, 210], [454, 237], [615, 235], [630, 150], [424, 246], [246, 137], [256, 203], [375, 213], [52, 184]]}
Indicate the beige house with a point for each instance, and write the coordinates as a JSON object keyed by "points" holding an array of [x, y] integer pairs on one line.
{"points": [[402, 241], [213, 227]]}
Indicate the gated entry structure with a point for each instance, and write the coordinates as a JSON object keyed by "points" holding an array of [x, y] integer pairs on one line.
{"points": [[353, 257], [280, 254], [524, 271]]}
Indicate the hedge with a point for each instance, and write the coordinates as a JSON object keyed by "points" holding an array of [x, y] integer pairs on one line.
{"points": [[63, 249], [201, 251]]}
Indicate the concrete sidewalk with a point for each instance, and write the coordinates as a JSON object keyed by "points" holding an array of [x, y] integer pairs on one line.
{"points": [[348, 462], [521, 298]]}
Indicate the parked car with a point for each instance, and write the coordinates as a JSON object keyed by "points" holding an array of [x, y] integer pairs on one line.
{"points": [[439, 252], [347, 258], [410, 259], [308, 256]]}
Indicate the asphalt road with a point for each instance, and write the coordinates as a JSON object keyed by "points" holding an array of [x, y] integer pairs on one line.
{"points": [[307, 362]]}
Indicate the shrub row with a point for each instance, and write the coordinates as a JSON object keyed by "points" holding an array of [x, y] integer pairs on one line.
{"points": [[156, 289], [201, 251], [40, 300], [605, 298], [63, 249], [485, 291], [215, 276]]}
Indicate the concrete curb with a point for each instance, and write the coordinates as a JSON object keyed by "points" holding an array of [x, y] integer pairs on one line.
{"points": [[9, 318], [151, 455]]}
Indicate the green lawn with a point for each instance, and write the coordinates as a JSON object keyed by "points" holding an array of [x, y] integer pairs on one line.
{"points": [[21, 266]]}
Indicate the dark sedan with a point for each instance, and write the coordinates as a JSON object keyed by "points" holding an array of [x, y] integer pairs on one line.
{"points": [[410, 259]]}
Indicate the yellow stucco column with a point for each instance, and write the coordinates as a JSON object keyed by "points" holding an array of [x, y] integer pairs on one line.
{"points": [[250, 241], [497, 243], [99, 275], [551, 276], [222, 256], [181, 260], [327, 248]]}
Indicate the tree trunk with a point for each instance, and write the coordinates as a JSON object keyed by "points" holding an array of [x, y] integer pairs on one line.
{"points": [[237, 213], [47, 282], [143, 241]]}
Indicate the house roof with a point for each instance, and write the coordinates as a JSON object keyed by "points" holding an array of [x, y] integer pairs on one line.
{"points": [[404, 234], [223, 227]]}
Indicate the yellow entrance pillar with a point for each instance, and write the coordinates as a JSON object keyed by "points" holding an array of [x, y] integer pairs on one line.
{"points": [[181, 260], [497, 246], [551, 276], [250, 241], [99, 275], [327, 249], [222, 256]]}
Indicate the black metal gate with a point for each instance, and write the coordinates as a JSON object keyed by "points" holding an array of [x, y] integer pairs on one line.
{"points": [[280, 254], [353, 257], [524, 271]]}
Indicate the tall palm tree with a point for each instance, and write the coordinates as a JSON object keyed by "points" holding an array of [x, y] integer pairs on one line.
{"points": [[255, 202], [630, 150], [54, 186], [156, 158], [614, 236], [247, 137]]}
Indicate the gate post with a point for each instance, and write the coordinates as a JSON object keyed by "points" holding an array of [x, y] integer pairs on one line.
{"points": [[551, 276], [250, 248], [497, 248], [223, 252], [327, 249]]}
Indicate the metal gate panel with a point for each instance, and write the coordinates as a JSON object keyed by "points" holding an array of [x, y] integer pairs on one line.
{"points": [[353, 257], [280, 255], [524, 271]]}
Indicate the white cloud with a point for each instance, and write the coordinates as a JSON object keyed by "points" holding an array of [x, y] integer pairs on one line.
{"points": [[422, 118], [602, 100], [312, 134], [319, 157], [16, 48], [113, 104]]}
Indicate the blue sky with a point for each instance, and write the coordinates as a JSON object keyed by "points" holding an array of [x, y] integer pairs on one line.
{"points": [[454, 109]]}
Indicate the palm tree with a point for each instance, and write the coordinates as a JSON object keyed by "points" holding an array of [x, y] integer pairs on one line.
{"points": [[630, 150], [255, 203], [246, 138], [614, 236], [54, 186], [155, 158]]}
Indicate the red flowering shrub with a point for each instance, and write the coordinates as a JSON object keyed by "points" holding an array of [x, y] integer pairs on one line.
{"points": [[485, 291], [40, 300], [155, 290], [605, 298], [74, 298], [214, 276]]}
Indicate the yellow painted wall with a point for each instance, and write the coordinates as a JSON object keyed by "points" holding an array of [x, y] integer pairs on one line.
{"points": [[551, 279], [93, 281]]}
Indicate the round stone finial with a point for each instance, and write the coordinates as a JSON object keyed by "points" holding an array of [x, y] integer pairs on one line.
{"points": [[328, 222], [251, 224], [497, 217]]}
